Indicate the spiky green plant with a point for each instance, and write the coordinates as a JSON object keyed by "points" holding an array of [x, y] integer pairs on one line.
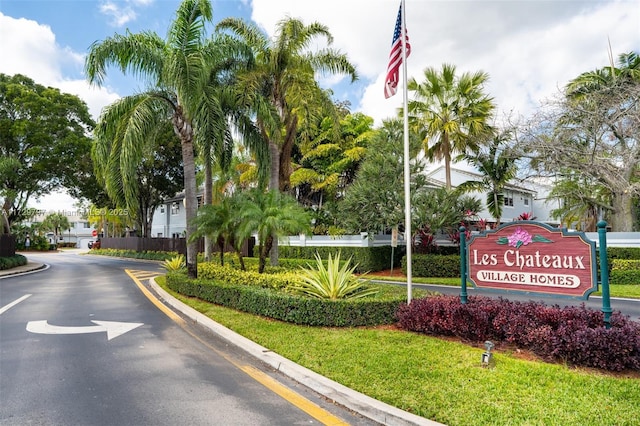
{"points": [[176, 263], [332, 281]]}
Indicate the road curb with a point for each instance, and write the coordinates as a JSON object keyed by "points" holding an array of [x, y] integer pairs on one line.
{"points": [[366, 406]]}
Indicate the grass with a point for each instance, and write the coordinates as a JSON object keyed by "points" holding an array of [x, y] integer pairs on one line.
{"points": [[443, 380]]}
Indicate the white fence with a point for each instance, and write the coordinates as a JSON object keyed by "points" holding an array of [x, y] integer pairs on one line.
{"points": [[361, 240], [617, 239], [614, 239]]}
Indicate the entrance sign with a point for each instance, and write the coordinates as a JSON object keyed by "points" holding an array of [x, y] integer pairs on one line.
{"points": [[533, 257]]}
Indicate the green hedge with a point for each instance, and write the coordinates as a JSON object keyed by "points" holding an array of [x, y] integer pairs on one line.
{"points": [[623, 253], [12, 261], [624, 271], [624, 277], [368, 259], [231, 275], [433, 265], [287, 307]]}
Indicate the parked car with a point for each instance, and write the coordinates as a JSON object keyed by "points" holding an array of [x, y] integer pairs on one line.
{"points": [[94, 244]]}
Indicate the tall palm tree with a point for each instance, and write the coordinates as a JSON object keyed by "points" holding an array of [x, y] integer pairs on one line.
{"points": [[497, 166], [177, 71], [449, 112], [282, 89], [281, 85]]}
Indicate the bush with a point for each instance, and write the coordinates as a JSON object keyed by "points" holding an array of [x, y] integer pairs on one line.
{"points": [[288, 307], [623, 253], [434, 265], [228, 273], [624, 277], [12, 261], [625, 271], [147, 254], [575, 335]]}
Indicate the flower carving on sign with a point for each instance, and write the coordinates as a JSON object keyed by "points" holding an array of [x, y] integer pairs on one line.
{"points": [[520, 238]]}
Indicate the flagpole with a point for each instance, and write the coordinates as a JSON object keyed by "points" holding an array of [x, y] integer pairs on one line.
{"points": [[407, 172]]}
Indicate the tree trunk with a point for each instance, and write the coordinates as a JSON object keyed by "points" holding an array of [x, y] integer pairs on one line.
{"points": [[274, 185], [446, 148], [184, 130], [622, 215], [208, 200]]}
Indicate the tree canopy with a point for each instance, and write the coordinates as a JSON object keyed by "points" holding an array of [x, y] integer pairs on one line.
{"points": [[45, 141]]}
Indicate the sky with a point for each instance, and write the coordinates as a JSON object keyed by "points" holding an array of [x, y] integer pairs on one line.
{"points": [[529, 48]]}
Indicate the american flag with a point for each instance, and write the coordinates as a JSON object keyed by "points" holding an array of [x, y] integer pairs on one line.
{"points": [[395, 57]]}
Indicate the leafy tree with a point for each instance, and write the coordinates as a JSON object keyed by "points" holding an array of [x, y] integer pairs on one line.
{"points": [[271, 214], [498, 168], [449, 112], [178, 71], [375, 200], [579, 208], [158, 171], [591, 134], [281, 85], [44, 138], [328, 162]]}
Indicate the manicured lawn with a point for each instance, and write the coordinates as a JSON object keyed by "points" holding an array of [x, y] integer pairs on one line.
{"points": [[443, 380]]}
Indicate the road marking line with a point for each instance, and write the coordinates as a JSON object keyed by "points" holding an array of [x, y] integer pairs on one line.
{"points": [[168, 312], [14, 303], [113, 328], [315, 411], [297, 400]]}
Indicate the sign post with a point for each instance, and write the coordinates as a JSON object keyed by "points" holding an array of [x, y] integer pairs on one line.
{"points": [[604, 273], [463, 265]]}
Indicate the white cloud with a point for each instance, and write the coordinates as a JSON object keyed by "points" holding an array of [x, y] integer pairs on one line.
{"points": [[122, 12], [33, 52], [529, 48]]}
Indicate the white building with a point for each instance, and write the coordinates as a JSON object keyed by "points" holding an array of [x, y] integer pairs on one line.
{"points": [[79, 233], [527, 197]]}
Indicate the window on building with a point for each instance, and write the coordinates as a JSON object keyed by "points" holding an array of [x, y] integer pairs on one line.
{"points": [[175, 208], [86, 225], [159, 235], [508, 199], [162, 209], [526, 201]]}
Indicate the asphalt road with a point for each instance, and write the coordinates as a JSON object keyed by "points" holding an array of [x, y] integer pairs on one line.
{"points": [[80, 344]]}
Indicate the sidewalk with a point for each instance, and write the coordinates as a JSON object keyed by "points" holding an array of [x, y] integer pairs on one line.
{"points": [[24, 269]]}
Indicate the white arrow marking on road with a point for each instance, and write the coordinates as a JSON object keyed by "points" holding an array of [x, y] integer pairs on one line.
{"points": [[113, 328], [14, 303]]}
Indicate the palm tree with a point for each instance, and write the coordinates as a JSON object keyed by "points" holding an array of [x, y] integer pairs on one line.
{"points": [[281, 85], [602, 78], [497, 166], [222, 224], [271, 214], [178, 71], [57, 223], [449, 111]]}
